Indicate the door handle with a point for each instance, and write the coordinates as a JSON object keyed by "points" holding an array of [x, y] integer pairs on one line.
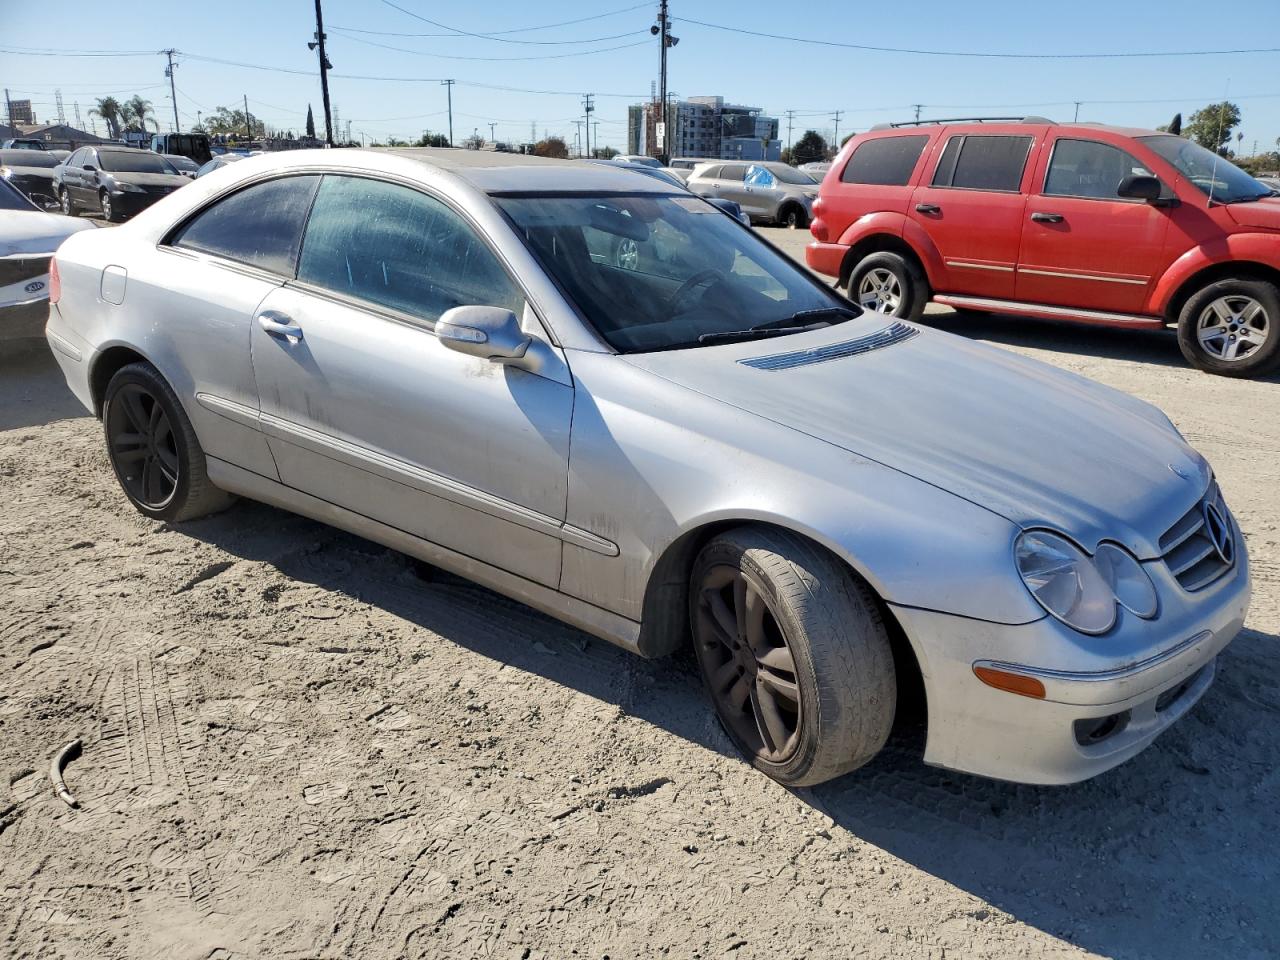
{"points": [[278, 324], [1047, 217], [928, 208]]}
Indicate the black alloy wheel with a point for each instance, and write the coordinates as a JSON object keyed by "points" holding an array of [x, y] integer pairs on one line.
{"points": [[143, 447]]}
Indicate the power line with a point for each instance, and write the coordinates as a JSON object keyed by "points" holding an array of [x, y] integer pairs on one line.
{"points": [[459, 32], [967, 53], [498, 33], [451, 56], [455, 36]]}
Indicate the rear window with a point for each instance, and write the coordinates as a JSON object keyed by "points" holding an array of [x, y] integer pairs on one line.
{"points": [[983, 163], [885, 161]]}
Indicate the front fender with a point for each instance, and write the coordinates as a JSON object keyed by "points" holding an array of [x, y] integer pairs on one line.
{"points": [[1261, 248]]}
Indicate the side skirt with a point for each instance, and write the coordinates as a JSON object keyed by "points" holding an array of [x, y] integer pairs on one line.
{"points": [[1046, 312], [600, 623]]}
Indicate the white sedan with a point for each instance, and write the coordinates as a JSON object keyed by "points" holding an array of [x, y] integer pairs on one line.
{"points": [[593, 392]]}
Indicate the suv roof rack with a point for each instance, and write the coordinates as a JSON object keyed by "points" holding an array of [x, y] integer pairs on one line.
{"points": [[925, 123]]}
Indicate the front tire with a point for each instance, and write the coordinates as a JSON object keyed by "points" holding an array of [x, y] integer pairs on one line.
{"points": [[794, 654], [1232, 328], [68, 205], [109, 211], [891, 284], [153, 448]]}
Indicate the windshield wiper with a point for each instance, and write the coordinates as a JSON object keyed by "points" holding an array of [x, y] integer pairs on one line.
{"points": [[752, 333], [1257, 196]]}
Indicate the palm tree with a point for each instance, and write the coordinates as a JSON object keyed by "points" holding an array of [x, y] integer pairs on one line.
{"points": [[137, 113], [108, 108]]}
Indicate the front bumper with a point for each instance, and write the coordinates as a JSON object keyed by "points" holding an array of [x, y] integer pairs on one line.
{"points": [[1106, 698]]}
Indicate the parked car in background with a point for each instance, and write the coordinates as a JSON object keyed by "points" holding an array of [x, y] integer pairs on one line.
{"points": [[193, 145], [768, 191], [431, 350], [683, 166], [31, 171], [1272, 182], [184, 165], [816, 168], [28, 238], [638, 159], [22, 143], [118, 181], [1126, 227], [661, 173], [217, 163]]}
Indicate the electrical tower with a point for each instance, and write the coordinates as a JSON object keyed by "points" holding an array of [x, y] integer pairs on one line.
{"points": [[62, 117], [79, 122]]}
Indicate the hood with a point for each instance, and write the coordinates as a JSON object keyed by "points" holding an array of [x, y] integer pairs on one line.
{"points": [[28, 232], [1035, 444], [45, 173], [1263, 214], [151, 179]]}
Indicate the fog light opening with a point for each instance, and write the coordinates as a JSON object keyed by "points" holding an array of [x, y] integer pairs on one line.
{"points": [[1097, 729]]}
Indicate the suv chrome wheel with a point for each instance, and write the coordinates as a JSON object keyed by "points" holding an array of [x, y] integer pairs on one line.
{"points": [[1233, 327], [879, 291]]}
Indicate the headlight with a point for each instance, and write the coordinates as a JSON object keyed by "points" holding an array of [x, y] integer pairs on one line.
{"points": [[129, 188], [1064, 581], [1127, 580]]}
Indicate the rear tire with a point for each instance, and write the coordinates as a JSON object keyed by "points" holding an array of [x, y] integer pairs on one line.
{"points": [[153, 448], [1232, 328], [794, 654], [891, 284], [792, 216]]}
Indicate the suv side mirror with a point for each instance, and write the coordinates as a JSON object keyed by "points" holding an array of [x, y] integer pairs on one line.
{"points": [[1139, 187], [490, 333]]}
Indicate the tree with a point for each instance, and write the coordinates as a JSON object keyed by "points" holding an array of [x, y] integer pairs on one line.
{"points": [[551, 147], [108, 108], [430, 139], [227, 121], [1212, 126], [311, 123], [810, 148], [136, 113]]}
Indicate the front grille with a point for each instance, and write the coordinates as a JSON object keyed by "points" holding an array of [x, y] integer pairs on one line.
{"points": [[1189, 549], [895, 333], [17, 269]]}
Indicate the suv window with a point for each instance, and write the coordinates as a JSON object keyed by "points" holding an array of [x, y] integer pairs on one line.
{"points": [[707, 173], [760, 177], [260, 225], [983, 162], [1087, 168], [885, 161], [395, 247], [732, 172]]}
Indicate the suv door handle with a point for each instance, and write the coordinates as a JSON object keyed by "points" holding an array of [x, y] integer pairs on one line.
{"points": [[928, 208], [1047, 217], [279, 324]]}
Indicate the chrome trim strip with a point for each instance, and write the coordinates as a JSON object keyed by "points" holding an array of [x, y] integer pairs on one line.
{"points": [[408, 474], [1099, 676], [1014, 306], [63, 346], [1080, 276], [978, 266]]}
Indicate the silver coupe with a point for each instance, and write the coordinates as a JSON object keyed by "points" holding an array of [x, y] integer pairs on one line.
{"points": [[441, 352]]}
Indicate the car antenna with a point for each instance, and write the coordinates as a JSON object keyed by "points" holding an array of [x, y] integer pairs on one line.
{"points": [[1217, 144]]}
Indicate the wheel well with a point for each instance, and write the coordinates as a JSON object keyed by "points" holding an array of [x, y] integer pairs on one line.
{"points": [[877, 243], [665, 627], [105, 367], [789, 205], [1232, 269]]}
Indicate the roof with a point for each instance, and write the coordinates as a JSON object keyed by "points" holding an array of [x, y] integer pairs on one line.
{"points": [[514, 172]]}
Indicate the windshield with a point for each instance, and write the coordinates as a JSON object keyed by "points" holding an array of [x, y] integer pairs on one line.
{"points": [[27, 158], [659, 272], [133, 161], [11, 199], [790, 174], [1215, 176]]}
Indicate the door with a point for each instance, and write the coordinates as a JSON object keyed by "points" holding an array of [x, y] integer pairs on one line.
{"points": [[761, 189], [214, 272], [365, 408], [972, 211], [1084, 246], [731, 185], [73, 177]]}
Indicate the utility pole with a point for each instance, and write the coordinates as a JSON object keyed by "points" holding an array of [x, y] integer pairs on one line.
{"points": [[199, 122], [596, 124], [577, 136], [587, 106], [248, 127], [8, 107], [918, 106], [325, 66], [790, 117], [836, 146], [1077, 114], [448, 85], [662, 29], [493, 137], [173, 90]]}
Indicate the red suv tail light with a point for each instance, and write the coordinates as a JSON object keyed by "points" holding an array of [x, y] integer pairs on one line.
{"points": [[55, 281]]}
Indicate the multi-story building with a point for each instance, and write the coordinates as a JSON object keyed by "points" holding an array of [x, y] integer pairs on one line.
{"points": [[704, 127]]}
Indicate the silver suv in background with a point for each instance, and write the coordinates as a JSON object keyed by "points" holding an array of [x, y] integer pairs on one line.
{"points": [[767, 191]]}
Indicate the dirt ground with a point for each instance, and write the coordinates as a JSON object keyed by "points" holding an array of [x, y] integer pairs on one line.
{"points": [[298, 745]]}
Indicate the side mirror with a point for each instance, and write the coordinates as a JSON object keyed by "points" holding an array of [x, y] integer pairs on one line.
{"points": [[490, 333], [90, 168], [1139, 187]]}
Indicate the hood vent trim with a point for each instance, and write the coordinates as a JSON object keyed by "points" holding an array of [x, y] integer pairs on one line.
{"points": [[895, 333]]}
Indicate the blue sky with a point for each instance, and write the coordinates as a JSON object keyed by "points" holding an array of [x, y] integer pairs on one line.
{"points": [[814, 81]]}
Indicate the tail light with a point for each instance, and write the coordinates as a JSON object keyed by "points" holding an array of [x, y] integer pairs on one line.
{"points": [[55, 281]]}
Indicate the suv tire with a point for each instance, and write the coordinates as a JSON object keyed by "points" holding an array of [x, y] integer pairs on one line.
{"points": [[1232, 328], [794, 653], [889, 283], [153, 448], [792, 216]]}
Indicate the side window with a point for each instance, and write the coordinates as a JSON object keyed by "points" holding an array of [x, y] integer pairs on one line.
{"points": [[734, 172], [260, 225], [983, 163], [885, 161], [395, 247], [709, 173], [77, 158], [1087, 168], [760, 177]]}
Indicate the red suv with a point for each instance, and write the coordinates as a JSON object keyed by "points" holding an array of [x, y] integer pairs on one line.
{"points": [[1132, 228]]}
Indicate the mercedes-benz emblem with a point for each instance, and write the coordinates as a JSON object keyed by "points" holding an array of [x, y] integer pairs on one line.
{"points": [[1219, 531]]}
